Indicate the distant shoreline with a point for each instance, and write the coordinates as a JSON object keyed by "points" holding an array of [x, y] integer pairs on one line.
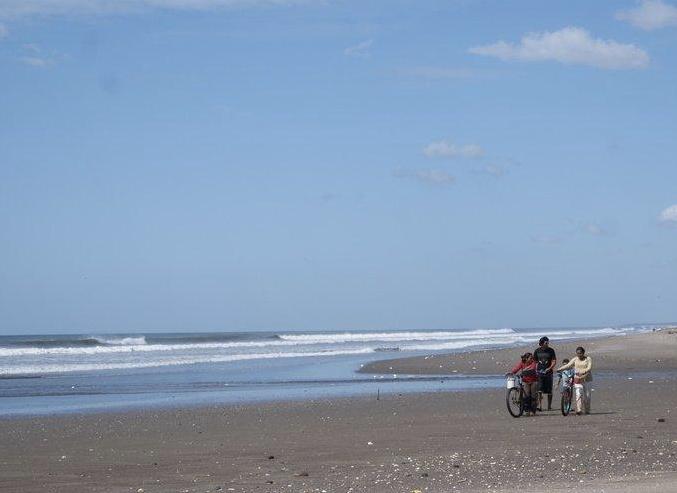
{"points": [[646, 351]]}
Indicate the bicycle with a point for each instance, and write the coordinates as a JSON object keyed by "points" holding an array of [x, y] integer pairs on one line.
{"points": [[567, 386], [514, 396]]}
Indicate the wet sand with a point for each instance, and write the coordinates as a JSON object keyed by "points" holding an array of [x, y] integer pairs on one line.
{"points": [[438, 442], [648, 351]]}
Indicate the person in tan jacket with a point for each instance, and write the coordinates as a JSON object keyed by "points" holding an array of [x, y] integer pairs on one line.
{"points": [[582, 366]]}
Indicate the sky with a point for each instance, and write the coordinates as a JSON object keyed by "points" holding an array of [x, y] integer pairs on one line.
{"points": [[234, 165]]}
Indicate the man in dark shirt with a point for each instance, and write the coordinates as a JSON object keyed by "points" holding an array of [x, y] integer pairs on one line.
{"points": [[545, 356]]}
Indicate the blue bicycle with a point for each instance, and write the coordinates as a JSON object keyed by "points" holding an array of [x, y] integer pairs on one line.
{"points": [[567, 388]]}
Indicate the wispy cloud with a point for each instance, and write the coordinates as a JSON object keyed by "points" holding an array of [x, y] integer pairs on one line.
{"points": [[360, 50], [669, 215], [35, 56], [35, 61], [650, 15], [571, 45], [449, 150], [547, 239], [439, 72], [594, 229], [574, 229], [436, 177], [12, 9], [494, 170]]}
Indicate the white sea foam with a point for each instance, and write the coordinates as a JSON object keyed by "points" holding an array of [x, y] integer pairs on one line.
{"points": [[445, 346], [333, 338], [121, 341], [79, 367], [514, 338], [139, 345], [127, 345], [145, 348], [486, 335], [584, 332], [134, 352]]}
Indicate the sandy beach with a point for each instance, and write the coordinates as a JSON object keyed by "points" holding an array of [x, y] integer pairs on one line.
{"points": [[436, 442]]}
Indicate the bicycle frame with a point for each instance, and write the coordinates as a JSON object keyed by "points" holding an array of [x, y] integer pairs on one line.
{"points": [[514, 395], [567, 392]]}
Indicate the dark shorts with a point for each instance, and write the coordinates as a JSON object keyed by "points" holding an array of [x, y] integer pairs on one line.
{"points": [[545, 383]]}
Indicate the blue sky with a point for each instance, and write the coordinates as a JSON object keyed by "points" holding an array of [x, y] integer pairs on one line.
{"points": [[253, 164]]}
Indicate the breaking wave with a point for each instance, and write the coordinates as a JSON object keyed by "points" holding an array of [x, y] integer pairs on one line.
{"points": [[59, 354]]}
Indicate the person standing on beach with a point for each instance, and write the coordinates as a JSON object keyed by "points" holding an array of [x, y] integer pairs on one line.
{"points": [[527, 369], [546, 359], [582, 365]]}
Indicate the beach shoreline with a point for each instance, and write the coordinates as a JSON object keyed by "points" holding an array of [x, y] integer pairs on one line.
{"points": [[656, 350], [435, 442]]}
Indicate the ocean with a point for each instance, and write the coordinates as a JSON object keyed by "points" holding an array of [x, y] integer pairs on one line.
{"points": [[46, 374]]}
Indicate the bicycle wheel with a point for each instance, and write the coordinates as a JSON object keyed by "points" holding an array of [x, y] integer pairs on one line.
{"points": [[515, 402], [566, 402]]}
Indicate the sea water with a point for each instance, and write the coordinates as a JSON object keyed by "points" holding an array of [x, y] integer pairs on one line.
{"points": [[72, 373]]}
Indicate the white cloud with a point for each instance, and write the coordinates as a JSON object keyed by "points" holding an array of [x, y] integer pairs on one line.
{"points": [[429, 176], [12, 9], [445, 149], [360, 50], [36, 61], [650, 15], [36, 57], [571, 45], [494, 170], [435, 176], [595, 229], [669, 215], [4, 32]]}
